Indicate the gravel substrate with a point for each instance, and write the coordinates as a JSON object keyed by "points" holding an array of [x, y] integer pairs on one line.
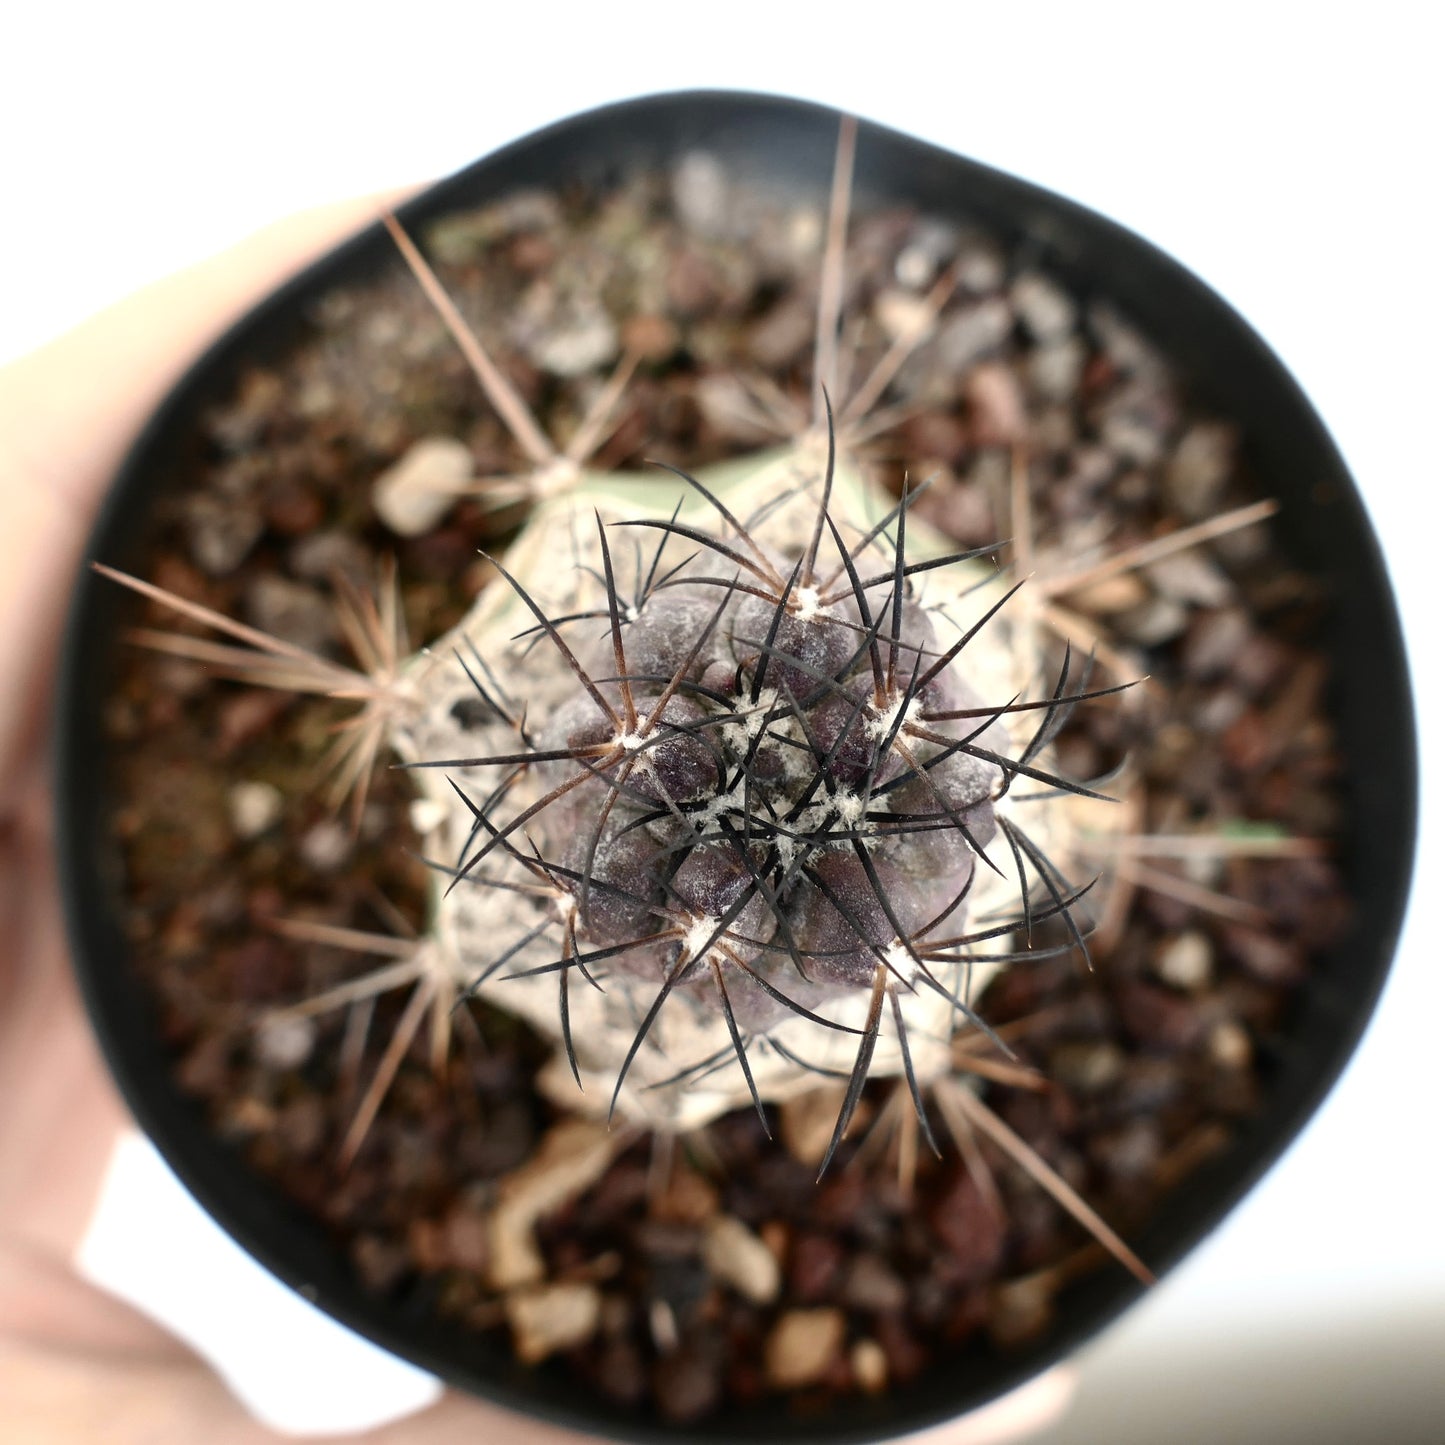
{"points": [[713, 1269]]}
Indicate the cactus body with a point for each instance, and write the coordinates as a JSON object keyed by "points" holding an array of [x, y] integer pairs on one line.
{"points": [[770, 785]]}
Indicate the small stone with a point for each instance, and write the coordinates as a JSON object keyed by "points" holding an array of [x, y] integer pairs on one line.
{"points": [[572, 1156], [326, 846], [1045, 309], [415, 493], [1054, 371], [1155, 621], [929, 247], [322, 555], [1186, 962], [1215, 640], [784, 333], [996, 405], [284, 1043], [1124, 344], [735, 1256], [292, 611], [907, 1357], [254, 807], [1275, 961], [688, 1383], [687, 1199], [1230, 1046], [700, 193], [969, 1223], [870, 1366], [803, 1346], [1198, 471], [1086, 1067], [1132, 436], [583, 342], [221, 532], [294, 511], [813, 1265], [980, 264], [1023, 1309], [901, 314], [551, 1318], [463, 1239], [1110, 595], [871, 1285], [1130, 1152], [970, 335], [650, 337], [1159, 1019], [1191, 577]]}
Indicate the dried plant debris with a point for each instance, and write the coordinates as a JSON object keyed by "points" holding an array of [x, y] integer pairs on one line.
{"points": [[761, 801]]}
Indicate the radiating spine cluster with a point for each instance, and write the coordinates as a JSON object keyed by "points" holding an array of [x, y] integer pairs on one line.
{"points": [[760, 795]]}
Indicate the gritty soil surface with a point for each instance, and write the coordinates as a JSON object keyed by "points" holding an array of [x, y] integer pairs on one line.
{"points": [[715, 1270]]}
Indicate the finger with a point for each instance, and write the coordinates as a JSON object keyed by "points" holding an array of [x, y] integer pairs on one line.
{"points": [[69, 411], [1016, 1416], [61, 1112]]}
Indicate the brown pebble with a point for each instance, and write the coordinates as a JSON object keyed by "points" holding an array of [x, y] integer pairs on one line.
{"points": [[997, 413], [871, 1285], [649, 336], [687, 1384], [1159, 1018], [245, 716], [907, 1358], [294, 511], [813, 1266], [971, 1227], [1023, 1309], [687, 1199], [1272, 960]]}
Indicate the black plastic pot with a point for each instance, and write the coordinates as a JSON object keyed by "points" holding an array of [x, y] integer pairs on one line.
{"points": [[1227, 368]]}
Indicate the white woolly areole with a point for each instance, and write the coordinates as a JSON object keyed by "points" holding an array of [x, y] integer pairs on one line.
{"points": [[901, 963], [701, 933], [810, 603], [879, 724]]}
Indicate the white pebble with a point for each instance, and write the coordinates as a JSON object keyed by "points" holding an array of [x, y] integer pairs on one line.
{"points": [[414, 494], [870, 1366], [1186, 961], [735, 1255], [1044, 308], [803, 1346], [254, 807], [284, 1043], [326, 846], [554, 1317]]}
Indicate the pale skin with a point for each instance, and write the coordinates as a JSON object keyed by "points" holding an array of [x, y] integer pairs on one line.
{"points": [[77, 1364]]}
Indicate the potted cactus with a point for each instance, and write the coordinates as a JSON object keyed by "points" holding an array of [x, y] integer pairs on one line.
{"points": [[866, 832]]}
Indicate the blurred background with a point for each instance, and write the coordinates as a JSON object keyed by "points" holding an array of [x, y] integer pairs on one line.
{"points": [[1285, 153]]}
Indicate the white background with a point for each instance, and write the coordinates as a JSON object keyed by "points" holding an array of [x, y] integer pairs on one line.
{"points": [[1289, 154]]}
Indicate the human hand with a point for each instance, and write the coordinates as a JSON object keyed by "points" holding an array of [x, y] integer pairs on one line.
{"points": [[75, 1363]]}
